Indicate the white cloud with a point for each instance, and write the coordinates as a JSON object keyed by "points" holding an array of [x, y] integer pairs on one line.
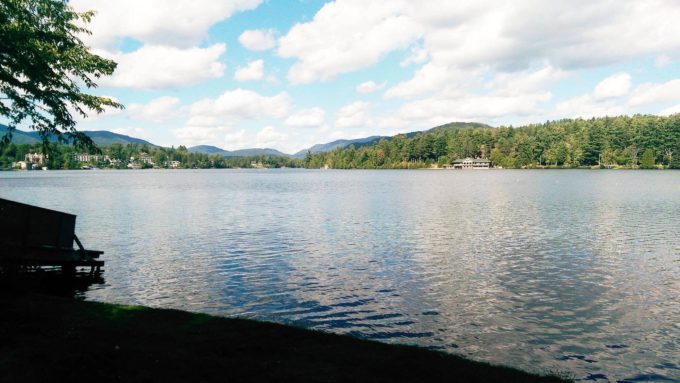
{"points": [[439, 110], [253, 71], [606, 99], [587, 106], [352, 115], [345, 36], [160, 67], [258, 39], [192, 135], [93, 115], [662, 60], [418, 56], [177, 23], [617, 85], [236, 105], [650, 93], [369, 87], [675, 109], [429, 78], [528, 81], [157, 110], [269, 137], [131, 131], [306, 118]]}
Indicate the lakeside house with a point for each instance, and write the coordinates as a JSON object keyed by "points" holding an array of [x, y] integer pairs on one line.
{"points": [[145, 158], [89, 157], [472, 163], [35, 158], [22, 165]]}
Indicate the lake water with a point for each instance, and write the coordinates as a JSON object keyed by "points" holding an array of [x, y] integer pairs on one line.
{"points": [[573, 271]]}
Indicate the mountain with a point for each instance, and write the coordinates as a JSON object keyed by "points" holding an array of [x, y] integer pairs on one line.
{"points": [[359, 142], [257, 152], [18, 136], [100, 137], [453, 126], [106, 138], [367, 141], [210, 150]]}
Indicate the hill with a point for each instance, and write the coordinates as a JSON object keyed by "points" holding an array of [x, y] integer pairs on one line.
{"points": [[327, 147], [610, 142], [100, 137], [368, 141], [210, 150], [18, 136], [453, 126]]}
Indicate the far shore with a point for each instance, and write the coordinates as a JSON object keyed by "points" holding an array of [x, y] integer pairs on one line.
{"points": [[415, 168]]}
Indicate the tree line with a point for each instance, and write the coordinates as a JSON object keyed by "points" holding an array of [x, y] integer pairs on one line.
{"points": [[639, 141], [60, 156]]}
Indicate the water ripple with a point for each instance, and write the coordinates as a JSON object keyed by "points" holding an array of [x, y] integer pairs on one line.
{"points": [[543, 270]]}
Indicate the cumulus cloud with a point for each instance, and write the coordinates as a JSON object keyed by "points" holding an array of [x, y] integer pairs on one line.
{"points": [[353, 115], [269, 137], [221, 136], [587, 106], [306, 118], [650, 93], [369, 87], [132, 131], [258, 39], [157, 110], [418, 56], [430, 78], [606, 99], [93, 115], [162, 67], [238, 104], [675, 109], [345, 36], [253, 71], [348, 35], [472, 108], [177, 23], [617, 85]]}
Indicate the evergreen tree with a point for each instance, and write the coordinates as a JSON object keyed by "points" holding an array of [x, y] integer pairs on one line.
{"points": [[647, 161]]}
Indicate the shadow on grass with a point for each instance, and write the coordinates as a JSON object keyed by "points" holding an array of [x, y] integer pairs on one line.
{"points": [[45, 338]]}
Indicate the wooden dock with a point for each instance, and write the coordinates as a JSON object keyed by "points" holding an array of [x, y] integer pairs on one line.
{"points": [[32, 237]]}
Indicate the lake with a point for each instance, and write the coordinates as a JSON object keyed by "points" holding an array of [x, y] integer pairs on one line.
{"points": [[562, 270]]}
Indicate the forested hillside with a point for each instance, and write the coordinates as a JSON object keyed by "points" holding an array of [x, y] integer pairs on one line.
{"points": [[639, 141]]}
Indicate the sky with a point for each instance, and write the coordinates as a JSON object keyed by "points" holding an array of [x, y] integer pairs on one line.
{"points": [[287, 74]]}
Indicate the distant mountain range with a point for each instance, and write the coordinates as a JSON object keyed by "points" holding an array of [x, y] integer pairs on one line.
{"points": [[210, 150], [106, 138], [318, 148], [100, 137]]}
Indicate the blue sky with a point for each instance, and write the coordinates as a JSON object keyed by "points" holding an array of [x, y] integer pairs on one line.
{"points": [[289, 74]]}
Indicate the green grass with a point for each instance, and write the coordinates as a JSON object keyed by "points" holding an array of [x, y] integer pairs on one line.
{"points": [[45, 338]]}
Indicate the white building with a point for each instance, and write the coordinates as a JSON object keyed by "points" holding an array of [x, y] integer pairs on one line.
{"points": [[36, 158], [89, 157], [23, 165], [472, 163], [145, 158]]}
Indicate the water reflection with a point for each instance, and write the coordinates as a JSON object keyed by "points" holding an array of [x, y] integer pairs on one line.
{"points": [[544, 270], [51, 282]]}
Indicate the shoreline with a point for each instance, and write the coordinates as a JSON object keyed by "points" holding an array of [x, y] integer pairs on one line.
{"points": [[72, 339]]}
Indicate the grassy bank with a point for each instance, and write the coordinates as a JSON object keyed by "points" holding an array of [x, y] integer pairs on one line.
{"points": [[45, 338]]}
